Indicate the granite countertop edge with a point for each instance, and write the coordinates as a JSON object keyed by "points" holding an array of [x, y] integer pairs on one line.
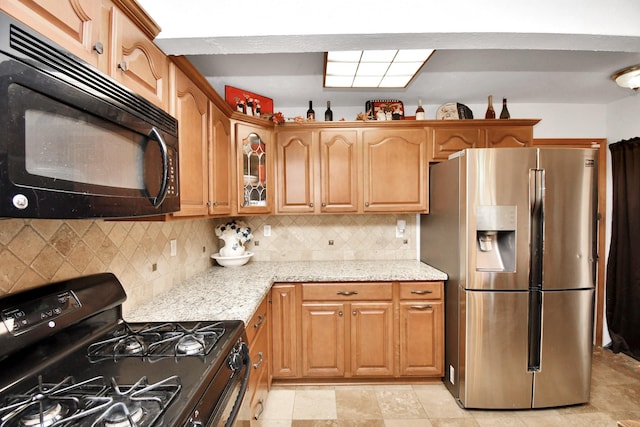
{"points": [[223, 293]]}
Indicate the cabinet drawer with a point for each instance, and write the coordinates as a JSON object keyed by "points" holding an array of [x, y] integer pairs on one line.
{"points": [[258, 321], [345, 291], [421, 290]]}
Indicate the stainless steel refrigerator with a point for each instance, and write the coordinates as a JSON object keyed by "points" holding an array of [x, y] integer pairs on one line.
{"points": [[515, 230]]}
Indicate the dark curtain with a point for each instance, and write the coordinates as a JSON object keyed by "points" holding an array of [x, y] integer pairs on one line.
{"points": [[623, 266]]}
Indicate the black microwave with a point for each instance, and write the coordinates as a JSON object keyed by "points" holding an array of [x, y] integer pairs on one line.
{"points": [[75, 143]]}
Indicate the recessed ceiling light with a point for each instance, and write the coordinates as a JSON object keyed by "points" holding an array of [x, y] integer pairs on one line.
{"points": [[373, 68]]}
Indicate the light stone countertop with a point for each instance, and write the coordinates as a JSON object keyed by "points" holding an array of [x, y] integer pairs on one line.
{"points": [[230, 293]]}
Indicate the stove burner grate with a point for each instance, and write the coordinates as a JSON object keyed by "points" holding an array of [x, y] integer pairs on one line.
{"points": [[158, 341], [90, 404]]}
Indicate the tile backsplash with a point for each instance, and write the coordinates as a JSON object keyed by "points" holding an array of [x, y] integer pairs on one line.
{"points": [[34, 252]]}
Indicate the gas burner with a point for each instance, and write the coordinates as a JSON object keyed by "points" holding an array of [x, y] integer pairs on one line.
{"points": [[47, 404], [123, 415], [46, 414], [190, 345], [157, 341]]}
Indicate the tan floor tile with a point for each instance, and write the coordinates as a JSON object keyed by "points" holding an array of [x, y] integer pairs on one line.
{"points": [[400, 404], [500, 421], [438, 403], [454, 422], [315, 405], [548, 421], [279, 405], [408, 423], [337, 423], [357, 405]]}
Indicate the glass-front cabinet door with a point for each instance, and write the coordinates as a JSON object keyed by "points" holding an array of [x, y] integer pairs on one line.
{"points": [[255, 183]]}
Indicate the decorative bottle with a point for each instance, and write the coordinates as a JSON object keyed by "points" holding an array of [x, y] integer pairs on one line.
{"points": [[419, 111], [328, 115], [504, 114], [490, 114], [311, 115]]}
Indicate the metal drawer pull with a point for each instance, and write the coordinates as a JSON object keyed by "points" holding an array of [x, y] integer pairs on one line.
{"points": [[260, 321], [259, 362], [99, 48], [421, 291], [123, 66], [257, 415], [347, 293], [422, 307]]}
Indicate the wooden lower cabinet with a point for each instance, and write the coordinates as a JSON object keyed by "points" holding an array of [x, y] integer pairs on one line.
{"points": [[357, 330], [258, 336]]}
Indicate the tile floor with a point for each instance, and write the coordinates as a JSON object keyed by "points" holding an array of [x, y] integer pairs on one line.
{"points": [[615, 395]]}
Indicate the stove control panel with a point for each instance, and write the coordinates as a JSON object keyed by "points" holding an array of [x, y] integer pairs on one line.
{"points": [[20, 319]]}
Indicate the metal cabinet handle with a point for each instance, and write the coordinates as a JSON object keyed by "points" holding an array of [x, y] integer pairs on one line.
{"points": [[259, 362], [123, 65], [340, 313], [366, 204], [354, 312], [422, 307], [260, 321], [311, 204], [347, 293], [324, 205], [257, 415], [421, 291], [99, 48]]}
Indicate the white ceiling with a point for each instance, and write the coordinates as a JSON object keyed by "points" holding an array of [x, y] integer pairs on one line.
{"points": [[541, 65]]}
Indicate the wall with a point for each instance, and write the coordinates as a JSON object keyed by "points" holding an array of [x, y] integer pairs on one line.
{"points": [[557, 120], [354, 237], [33, 252]]}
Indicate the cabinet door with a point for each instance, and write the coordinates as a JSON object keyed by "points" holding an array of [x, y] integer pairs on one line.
{"points": [[76, 25], [323, 339], [295, 155], [190, 106], [509, 136], [338, 171], [421, 338], [255, 177], [220, 162], [284, 331], [395, 170], [446, 141], [137, 62], [372, 340]]}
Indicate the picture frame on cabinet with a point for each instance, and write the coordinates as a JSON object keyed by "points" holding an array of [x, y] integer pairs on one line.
{"points": [[247, 102], [385, 109]]}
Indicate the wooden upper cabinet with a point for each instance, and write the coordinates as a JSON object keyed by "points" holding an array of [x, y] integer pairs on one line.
{"points": [[395, 170], [509, 136], [450, 136], [220, 171], [136, 61], [79, 26], [295, 153], [338, 171], [254, 154], [190, 106], [446, 141]]}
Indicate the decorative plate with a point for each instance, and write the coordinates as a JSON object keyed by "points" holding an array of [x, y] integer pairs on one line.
{"points": [[453, 111]]}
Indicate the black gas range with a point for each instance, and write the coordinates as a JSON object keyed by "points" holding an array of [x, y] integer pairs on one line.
{"points": [[69, 359]]}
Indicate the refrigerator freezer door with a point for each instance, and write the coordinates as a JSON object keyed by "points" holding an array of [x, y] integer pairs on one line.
{"points": [[497, 192], [565, 371], [495, 375], [570, 200]]}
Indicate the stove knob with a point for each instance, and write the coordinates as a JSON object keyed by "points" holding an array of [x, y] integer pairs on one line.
{"points": [[235, 361]]}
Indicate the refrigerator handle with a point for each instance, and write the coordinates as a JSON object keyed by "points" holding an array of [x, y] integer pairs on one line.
{"points": [[536, 195]]}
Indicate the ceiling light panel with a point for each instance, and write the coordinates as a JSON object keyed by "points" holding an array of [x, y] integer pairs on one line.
{"points": [[376, 68]]}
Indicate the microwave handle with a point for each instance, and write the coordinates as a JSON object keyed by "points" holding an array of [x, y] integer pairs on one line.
{"points": [[162, 194]]}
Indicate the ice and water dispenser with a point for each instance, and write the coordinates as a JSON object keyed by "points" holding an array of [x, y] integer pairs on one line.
{"points": [[496, 238]]}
